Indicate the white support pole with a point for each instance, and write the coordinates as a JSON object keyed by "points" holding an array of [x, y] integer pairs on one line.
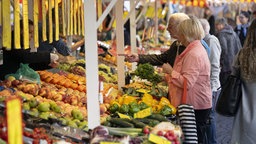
{"points": [[120, 43], [133, 30], [91, 53]]}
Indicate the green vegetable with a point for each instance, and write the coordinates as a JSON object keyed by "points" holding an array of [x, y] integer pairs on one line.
{"points": [[113, 108], [124, 131], [166, 110], [158, 117], [138, 124], [147, 71], [124, 109], [134, 107], [143, 105], [119, 122], [148, 121]]}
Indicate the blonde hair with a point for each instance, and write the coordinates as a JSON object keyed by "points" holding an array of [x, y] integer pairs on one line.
{"points": [[177, 18], [191, 29]]}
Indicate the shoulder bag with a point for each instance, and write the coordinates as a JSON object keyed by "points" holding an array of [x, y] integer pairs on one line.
{"points": [[230, 96], [186, 119]]}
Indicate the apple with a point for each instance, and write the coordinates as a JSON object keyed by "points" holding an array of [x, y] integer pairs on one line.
{"points": [[43, 107], [77, 114], [33, 102]]}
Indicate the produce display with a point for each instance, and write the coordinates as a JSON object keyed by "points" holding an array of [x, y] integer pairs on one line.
{"points": [[135, 115]]}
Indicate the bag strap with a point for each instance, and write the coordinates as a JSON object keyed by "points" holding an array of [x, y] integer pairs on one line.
{"points": [[184, 96]]}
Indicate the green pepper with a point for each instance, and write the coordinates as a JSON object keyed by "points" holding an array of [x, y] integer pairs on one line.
{"points": [[143, 105], [124, 109], [134, 109], [166, 110], [113, 108]]}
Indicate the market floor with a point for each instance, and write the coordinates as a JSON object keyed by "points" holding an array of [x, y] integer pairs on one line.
{"points": [[224, 127]]}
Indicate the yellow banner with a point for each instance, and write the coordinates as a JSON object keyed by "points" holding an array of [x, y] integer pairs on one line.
{"points": [[50, 21], [44, 20], [56, 13], [150, 12], [6, 36], [75, 16], [17, 24], [14, 121], [0, 12], [100, 13], [71, 17], [64, 33], [82, 15], [79, 17], [35, 15], [25, 24]]}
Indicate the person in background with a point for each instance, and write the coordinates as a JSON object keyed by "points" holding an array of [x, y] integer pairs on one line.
{"points": [[241, 29], [211, 19], [230, 45], [245, 66], [36, 60], [215, 48], [192, 64], [169, 55]]}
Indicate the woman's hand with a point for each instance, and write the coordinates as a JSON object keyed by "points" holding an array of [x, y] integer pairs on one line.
{"points": [[167, 68]]}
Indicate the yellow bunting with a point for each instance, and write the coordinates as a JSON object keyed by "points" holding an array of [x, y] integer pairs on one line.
{"points": [[0, 12], [35, 15], [17, 24], [25, 24], [100, 13], [150, 12], [63, 18], [75, 16], [82, 15], [71, 17], [44, 2], [14, 121], [56, 13], [6, 24], [50, 21], [68, 17], [79, 17]]}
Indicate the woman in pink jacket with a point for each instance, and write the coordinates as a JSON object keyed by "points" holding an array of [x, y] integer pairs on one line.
{"points": [[192, 64]]}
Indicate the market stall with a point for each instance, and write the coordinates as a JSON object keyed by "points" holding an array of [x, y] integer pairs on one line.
{"points": [[93, 96]]}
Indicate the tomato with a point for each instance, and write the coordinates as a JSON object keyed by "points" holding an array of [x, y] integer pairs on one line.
{"points": [[160, 133], [146, 130]]}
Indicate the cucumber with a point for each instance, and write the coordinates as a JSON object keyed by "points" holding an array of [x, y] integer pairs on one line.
{"points": [[138, 124], [148, 121], [158, 117], [121, 122]]}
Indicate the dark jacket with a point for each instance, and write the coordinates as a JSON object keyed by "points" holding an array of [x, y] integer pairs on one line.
{"points": [[230, 45], [239, 30], [166, 57]]}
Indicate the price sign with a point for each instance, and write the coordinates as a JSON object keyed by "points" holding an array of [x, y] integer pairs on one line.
{"points": [[123, 116], [157, 139], [143, 113], [14, 121]]}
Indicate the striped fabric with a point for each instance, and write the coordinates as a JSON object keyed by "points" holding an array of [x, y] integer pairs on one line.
{"points": [[187, 120]]}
